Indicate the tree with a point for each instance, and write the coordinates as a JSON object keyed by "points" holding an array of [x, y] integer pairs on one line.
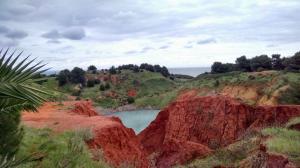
{"points": [[92, 68], [243, 64], [78, 76], [293, 63], [157, 68], [277, 62], [63, 77], [218, 67], [262, 62], [18, 92], [165, 71], [136, 69], [112, 70]]}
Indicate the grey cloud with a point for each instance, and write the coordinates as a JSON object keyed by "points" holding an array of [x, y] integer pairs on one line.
{"points": [[8, 43], [54, 41], [143, 50], [188, 46], [206, 41], [53, 34], [164, 47], [16, 34], [146, 49], [74, 33], [132, 52], [3, 29]]}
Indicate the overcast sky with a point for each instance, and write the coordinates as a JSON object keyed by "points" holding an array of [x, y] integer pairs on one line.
{"points": [[175, 33]]}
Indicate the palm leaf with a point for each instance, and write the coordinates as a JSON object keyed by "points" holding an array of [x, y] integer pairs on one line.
{"points": [[17, 88]]}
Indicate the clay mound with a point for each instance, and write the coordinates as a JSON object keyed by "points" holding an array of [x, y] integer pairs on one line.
{"points": [[84, 108], [206, 122], [119, 144]]}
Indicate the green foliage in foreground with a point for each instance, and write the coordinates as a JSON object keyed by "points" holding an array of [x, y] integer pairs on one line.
{"points": [[66, 150], [284, 141], [18, 92]]}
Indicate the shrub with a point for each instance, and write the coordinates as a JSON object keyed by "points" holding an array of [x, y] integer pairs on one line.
{"points": [[102, 87], [130, 100], [97, 81], [107, 86], [91, 83]]}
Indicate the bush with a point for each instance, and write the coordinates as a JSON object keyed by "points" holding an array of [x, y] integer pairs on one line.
{"points": [[102, 87], [97, 81], [10, 133], [130, 100], [90, 83], [76, 93], [107, 86]]}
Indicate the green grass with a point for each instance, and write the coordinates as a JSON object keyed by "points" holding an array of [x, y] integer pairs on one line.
{"points": [[293, 121], [229, 156], [151, 88], [66, 150], [158, 101], [284, 141]]}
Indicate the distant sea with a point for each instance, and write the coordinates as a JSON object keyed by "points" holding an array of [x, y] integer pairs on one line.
{"points": [[193, 71]]}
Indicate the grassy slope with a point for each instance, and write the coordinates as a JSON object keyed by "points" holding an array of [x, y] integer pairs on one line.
{"points": [[281, 140], [150, 87], [66, 150], [157, 91], [264, 84]]}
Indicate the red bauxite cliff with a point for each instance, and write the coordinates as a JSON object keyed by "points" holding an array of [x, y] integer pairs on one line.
{"points": [[193, 127], [119, 144], [188, 128]]}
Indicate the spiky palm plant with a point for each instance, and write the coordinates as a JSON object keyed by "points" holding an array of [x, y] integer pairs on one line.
{"points": [[18, 92], [17, 88]]}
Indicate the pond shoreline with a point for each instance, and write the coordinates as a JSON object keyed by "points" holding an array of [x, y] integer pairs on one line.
{"points": [[127, 108]]}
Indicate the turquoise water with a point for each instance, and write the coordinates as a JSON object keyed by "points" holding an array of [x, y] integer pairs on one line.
{"points": [[137, 120]]}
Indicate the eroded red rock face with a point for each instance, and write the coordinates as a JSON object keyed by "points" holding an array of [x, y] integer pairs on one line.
{"points": [[84, 108], [119, 144], [194, 127]]}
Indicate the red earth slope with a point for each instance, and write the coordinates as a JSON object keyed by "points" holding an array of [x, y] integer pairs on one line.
{"points": [[193, 127], [119, 144]]}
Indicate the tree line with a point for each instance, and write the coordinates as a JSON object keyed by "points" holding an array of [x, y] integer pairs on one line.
{"points": [[259, 63], [77, 75]]}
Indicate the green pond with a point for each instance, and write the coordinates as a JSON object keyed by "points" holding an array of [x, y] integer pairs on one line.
{"points": [[137, 120]]}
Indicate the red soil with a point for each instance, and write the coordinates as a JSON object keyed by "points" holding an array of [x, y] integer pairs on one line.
{"points": [[84, 108], [118, 143], [131, 93], [192, 127]]}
